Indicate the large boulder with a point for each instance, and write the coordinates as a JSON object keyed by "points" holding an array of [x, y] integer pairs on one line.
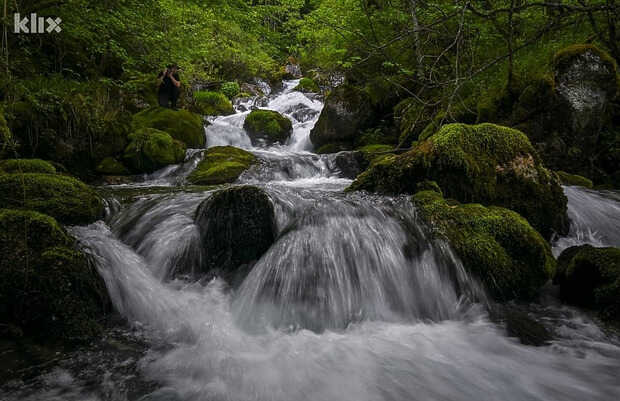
{"points": [[346, 112], [496, 245], [484, 163], [26, 166], [221, 165], [267, 126], [150, 149], [237, 226], [67, 199], [49, 291], [570, 112], [182, 125], [307, 85], [590, 277]]}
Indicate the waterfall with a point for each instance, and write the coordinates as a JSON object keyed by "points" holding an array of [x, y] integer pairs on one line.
{"points": [[354, 300]]}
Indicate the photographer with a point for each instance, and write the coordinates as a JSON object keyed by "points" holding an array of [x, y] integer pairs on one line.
{"points": [[169, 86]]}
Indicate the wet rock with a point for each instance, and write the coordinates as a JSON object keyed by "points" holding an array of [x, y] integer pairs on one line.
{"points": [[350, 163], [484, 163], [49, 291], [267, 126], [496, 245], [150, 149], [221, 165], [237, 226], [521, 325], [181, 125], [590, 277]]}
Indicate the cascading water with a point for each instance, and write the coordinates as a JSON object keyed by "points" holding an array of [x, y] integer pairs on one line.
{"points": [[352, 302]]}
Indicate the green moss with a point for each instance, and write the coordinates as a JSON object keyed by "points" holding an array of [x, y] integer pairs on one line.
{"points": [[374, 152], [477, 163], [332, 148], [495, 244], [221, 165], [568, 53], [230, 89], [150, 149], [67, 199], [268, 125], [307, 85], [182, 125], [574, 179], [111, 166], [590, 277], [6, 139], [27, 166], [48, 290], [213, 103]]}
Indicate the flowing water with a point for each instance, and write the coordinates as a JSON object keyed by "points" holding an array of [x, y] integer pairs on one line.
{"points": [[354, 301]]}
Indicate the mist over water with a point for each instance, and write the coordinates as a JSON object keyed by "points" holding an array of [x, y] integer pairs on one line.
{"points": [[354, 301]]}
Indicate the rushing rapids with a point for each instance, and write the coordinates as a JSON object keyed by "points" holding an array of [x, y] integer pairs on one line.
{"points": [[352, 302]]}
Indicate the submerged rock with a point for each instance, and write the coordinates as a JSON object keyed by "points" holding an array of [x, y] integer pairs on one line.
{"points": [[267, 126], [590, 277], [67, 199], [495, 244], [221, 165], [150, 149], [27, 166], [181, 125], [49, 291], [483, 163], [237, 226]]}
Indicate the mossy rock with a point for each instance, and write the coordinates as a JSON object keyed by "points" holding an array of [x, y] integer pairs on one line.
{"points": [[111, 166], [213, 103], [49, 291], [150, 149], [590, 277], [27, 166], [496, 245], [484, 163], [237, 226], [182, 125], [267, 126], [67, 199], [574, 179], [332, 148], [221, 165], [307, 85]]}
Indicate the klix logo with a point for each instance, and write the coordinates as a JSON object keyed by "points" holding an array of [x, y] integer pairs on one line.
{"points": [[34, 24]]}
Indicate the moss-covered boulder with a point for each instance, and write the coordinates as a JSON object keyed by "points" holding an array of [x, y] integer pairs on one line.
{"points": [[307, 85], [267, 126], [496, 245], [484, 163], [221, 165], [212, 103], [150, 149], [111, 166], [49, 291], [237, 226], [67, 199], [574, 179], [27, 166], [182, 125], [590, 277]]}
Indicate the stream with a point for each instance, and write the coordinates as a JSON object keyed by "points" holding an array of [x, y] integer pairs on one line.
{"points": [[354, 301]]}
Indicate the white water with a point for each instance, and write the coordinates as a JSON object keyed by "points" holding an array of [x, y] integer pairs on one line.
{"points": [[352, 302]]}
